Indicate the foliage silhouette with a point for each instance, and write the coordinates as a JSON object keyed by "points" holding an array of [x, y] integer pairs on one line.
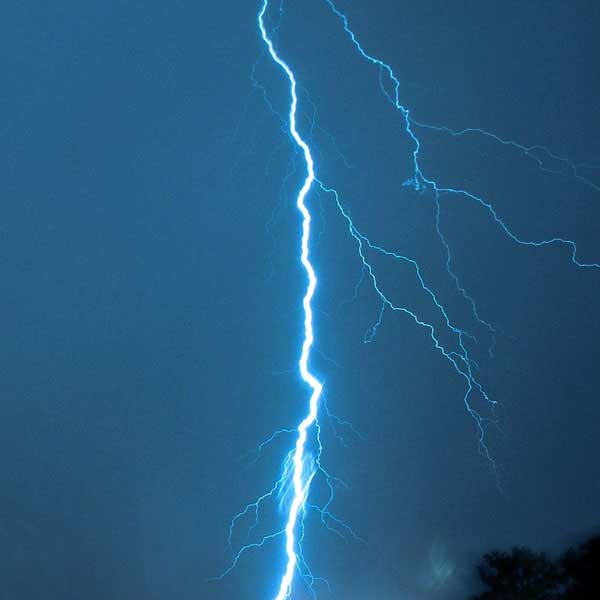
{"points": [[522, 574], [519, 574], [580, 571]]}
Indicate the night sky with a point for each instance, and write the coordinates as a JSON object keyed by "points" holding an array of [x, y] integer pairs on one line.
{"points": [[150, 296]]}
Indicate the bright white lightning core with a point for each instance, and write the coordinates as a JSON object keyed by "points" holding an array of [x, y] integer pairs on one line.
{"points": [[302, 471]]}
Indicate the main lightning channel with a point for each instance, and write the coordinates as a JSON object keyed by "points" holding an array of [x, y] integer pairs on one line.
{"points": [[302, 472]]}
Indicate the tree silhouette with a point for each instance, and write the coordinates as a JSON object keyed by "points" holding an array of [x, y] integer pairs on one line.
{"points": [[581, 571], [520, 574]]}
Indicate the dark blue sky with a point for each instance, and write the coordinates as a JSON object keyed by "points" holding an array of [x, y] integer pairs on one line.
{"points": [[150, 299]]}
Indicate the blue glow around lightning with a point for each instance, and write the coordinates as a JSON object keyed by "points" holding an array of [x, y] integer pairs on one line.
{"points": [[300, 466], [303, 471]]}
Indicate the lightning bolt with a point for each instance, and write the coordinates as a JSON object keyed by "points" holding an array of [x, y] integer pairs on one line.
{"points": [[300, 466], [302, 471]]}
